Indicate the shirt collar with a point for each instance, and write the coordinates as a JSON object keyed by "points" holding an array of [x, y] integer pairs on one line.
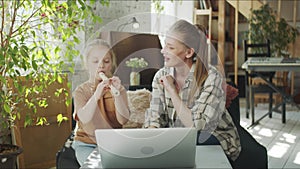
{"points": [[190, 77]]}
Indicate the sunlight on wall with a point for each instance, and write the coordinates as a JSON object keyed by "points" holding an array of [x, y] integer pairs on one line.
{"points": [[278, 150], [297, 158]]}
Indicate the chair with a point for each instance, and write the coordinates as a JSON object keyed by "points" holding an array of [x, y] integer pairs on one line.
{"points": [[65, 157], [251, 78], [253, 154]]}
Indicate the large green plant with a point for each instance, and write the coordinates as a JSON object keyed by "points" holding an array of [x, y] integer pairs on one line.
{"points": [[263, 25], [37, 38]]}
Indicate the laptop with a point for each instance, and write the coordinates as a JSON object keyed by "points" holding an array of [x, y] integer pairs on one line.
{"points": [[147, 148]]}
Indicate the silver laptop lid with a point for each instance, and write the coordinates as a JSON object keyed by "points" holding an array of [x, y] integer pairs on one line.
{"points": [[147, 148]]}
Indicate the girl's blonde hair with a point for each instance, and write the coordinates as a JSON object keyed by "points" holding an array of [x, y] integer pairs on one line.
{"points": [[99, 42]]}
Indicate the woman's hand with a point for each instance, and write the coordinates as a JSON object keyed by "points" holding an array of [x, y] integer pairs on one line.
{"points": [[169, 83]]}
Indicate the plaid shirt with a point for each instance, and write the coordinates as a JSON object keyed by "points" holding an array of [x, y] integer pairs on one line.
{"points": [[207, 106]]}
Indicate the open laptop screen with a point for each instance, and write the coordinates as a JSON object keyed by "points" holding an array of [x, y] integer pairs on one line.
{"points": [[147, 148]]}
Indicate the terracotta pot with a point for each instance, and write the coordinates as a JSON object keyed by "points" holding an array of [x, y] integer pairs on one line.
{"points": [[8, 155]]}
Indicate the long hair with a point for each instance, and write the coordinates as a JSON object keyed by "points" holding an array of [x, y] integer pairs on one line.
{"points": [[192, 37], [99, 42]]}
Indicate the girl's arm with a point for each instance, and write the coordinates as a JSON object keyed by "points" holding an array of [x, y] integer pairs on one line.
{"points": [[86, 109], [122, 109], [121, 101]]}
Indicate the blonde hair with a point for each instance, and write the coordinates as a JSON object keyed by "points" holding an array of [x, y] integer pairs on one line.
{"points": [[99, 42], [192, 37]]}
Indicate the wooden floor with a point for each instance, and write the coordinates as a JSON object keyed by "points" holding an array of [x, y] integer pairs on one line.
{"points": [[281, 140]]}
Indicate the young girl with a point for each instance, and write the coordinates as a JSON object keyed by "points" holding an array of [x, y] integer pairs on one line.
{"points": [[96, 107], [188, 91]]}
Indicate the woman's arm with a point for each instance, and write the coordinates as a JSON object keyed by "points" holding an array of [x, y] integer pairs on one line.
{"points": [[182, 110], [155, 115], [210, 104], [184, 113]]}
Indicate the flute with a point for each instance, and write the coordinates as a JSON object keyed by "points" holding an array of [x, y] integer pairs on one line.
{"points": [[115, 91]]}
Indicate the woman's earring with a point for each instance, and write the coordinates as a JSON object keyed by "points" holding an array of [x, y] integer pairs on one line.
{"points": [[194, 59]]}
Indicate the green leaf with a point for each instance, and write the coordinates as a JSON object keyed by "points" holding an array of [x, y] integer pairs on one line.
{"points": [[7, 108], [30, 49], [59, 79], [27, 121], [34, 65], [60, 118]]}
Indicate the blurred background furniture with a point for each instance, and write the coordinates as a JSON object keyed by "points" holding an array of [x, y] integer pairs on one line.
{"points": [[40, 143], [253, 83], [65, 157], [261, 65]]}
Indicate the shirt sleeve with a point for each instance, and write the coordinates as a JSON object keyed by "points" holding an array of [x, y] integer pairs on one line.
{"points": [[210, 103], [80, 99], [156, 115]]}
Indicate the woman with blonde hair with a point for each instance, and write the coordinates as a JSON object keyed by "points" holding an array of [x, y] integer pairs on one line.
{"points": [[189, 92]]}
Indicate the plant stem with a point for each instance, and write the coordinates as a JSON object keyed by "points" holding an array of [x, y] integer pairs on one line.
{"points": [[2, 24], [27, 20], [12, 24]]}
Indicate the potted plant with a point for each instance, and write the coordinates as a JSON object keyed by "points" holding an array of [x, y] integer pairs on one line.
{"points": [[34, 35], [135, 64], [264, 25]]}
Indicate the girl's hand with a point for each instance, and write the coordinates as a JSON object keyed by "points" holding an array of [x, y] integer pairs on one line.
{"points": [[101, 88], [116, 82], [97, 80], [169, 83]]}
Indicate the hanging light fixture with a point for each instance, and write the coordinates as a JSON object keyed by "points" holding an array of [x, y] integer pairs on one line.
{"points": [[133, 21]]}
